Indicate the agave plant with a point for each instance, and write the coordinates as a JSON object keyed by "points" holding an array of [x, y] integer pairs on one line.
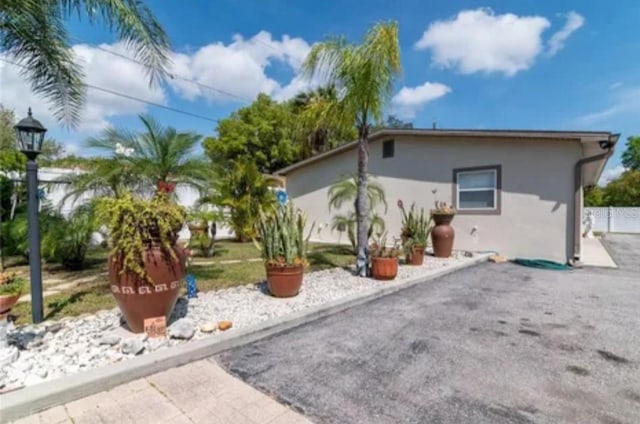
{"points": [[416, 226], [281, 237]]}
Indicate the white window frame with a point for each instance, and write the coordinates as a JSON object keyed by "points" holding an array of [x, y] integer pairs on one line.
{"points": [[495, 170]]}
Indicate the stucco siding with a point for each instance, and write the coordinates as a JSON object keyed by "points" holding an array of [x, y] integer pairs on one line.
{"points": [[537, 190]]}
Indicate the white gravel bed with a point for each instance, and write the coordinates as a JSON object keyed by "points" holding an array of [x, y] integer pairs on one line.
{"points": [[55, 349]]}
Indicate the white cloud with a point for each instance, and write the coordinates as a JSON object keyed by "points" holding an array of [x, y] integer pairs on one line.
{"points": [[481, 41], [610, 174], [557, 40], [410, 99], [240, 67], [102, 69], [616, 85], [622, 103]]}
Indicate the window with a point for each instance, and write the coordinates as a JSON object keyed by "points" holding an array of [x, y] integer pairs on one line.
{"points": [[388, 148], [477, 190]]}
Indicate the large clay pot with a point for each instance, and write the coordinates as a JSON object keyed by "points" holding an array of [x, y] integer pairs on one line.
{"points": [[284, 281], [7, 301], [442, 235], [138, 299], [384, 268], [416, 255]]}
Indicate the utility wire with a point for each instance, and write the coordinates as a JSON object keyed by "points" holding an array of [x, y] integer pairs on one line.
{"points": [[127, 96], [170, 74]]}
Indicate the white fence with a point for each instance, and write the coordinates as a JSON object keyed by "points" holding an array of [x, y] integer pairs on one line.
{"points": [[615, 220]]}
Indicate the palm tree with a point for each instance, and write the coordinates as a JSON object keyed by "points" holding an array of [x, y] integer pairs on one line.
{"points": [[346, 191], [364, 75], [142, 161], [33, 33]]}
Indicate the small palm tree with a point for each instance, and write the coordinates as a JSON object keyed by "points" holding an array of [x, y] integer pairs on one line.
{"points": [[346, 191], [141, 161], [363, 75], [33, 33]]}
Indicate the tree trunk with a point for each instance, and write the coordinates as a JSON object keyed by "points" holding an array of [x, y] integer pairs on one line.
{"points": [[362, 208]]}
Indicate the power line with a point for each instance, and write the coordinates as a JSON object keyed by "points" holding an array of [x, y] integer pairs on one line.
{"points": [[127, 96], [171, 75]]}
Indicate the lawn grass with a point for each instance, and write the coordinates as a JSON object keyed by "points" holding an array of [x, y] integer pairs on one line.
{"points": [[95, 295]]}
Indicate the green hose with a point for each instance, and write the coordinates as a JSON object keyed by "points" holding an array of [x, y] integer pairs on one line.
{"points": [[542, 264]]}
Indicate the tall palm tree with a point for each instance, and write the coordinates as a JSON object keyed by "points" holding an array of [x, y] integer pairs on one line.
{"points": [[364, 75], [33, 33]]}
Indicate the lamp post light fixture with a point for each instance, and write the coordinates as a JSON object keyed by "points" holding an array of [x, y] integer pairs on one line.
{"points": [[30, 135]]}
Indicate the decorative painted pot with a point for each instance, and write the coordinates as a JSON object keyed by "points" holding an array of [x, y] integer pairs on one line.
{"points": [[284, 281], [7, 301], [416, 256], [384, 268], [139, 299], [442, 235]]}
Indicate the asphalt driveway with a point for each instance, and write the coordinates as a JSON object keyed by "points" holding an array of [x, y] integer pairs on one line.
{"points": [[489, 344]]}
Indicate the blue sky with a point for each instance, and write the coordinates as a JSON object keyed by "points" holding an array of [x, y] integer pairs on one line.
{"points": [[494, 64]]}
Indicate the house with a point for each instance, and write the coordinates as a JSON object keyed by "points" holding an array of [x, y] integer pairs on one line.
{"points": [[516, 192]]}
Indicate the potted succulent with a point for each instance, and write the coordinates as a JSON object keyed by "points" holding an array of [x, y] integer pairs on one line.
{"points": [[146, 266], [283, 245], [443, 233], [383, 259], [11, 287], [416, 227]]}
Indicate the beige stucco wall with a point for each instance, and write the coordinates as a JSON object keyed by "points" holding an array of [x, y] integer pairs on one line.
{"points": [[537, 190]]}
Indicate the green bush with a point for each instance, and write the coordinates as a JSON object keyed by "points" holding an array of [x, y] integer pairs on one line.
{"points": [[68, 241]]}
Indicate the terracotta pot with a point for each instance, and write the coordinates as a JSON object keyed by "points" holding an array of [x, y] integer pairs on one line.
{"points": [[416, 256], [384, 268], [284, 281], [7, 301], [138, 299], [197, 228], [442, 235]]}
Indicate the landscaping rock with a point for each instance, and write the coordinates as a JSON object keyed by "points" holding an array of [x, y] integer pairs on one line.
{"points": [[110, 339], [132, 346], [209, 327], [55, 350], [224, 325], [183, 328]]}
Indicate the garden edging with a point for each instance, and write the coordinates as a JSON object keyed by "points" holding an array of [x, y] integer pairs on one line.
{"points": [[36, 398]]}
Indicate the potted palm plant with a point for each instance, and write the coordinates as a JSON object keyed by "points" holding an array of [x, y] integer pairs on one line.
{"points": [[416, 227], [146, 266], [443, 233], [11, 287], [283, 246], [384, 259]]}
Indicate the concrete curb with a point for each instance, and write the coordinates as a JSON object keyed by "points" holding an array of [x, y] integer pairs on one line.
{"points": [[39, 397]]}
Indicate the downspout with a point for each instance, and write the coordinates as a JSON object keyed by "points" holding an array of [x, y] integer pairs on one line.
{"points": [[577, 204]]}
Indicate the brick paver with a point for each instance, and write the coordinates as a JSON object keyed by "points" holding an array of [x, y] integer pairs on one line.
{"points": [[200, 392]]}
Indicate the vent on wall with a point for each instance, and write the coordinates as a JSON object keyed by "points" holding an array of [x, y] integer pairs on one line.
{"points": [[388, 149]]}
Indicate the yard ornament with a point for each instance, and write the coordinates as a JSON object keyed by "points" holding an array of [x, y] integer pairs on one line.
{"points": [[588, 222], [282, 197], [192, 290]]}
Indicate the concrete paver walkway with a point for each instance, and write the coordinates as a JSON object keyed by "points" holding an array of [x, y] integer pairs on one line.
{"points": [[200, 392]]}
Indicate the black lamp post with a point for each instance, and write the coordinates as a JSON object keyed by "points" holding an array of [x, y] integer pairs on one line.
{"points": [[30, 134]]}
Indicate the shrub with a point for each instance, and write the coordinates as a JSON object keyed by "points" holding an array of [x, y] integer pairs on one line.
{"points": [[135, 225], [68, 241], [11, 284]]}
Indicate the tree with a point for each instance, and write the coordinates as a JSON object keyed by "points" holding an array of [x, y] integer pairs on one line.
{"points": [[346, 191], [244, 191], [624, 190], [594, 196], [261, 133], [631, 155], [10, 157], [316, 131], [33, 33], [364, 75], [141, 160], [394, 122]]}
